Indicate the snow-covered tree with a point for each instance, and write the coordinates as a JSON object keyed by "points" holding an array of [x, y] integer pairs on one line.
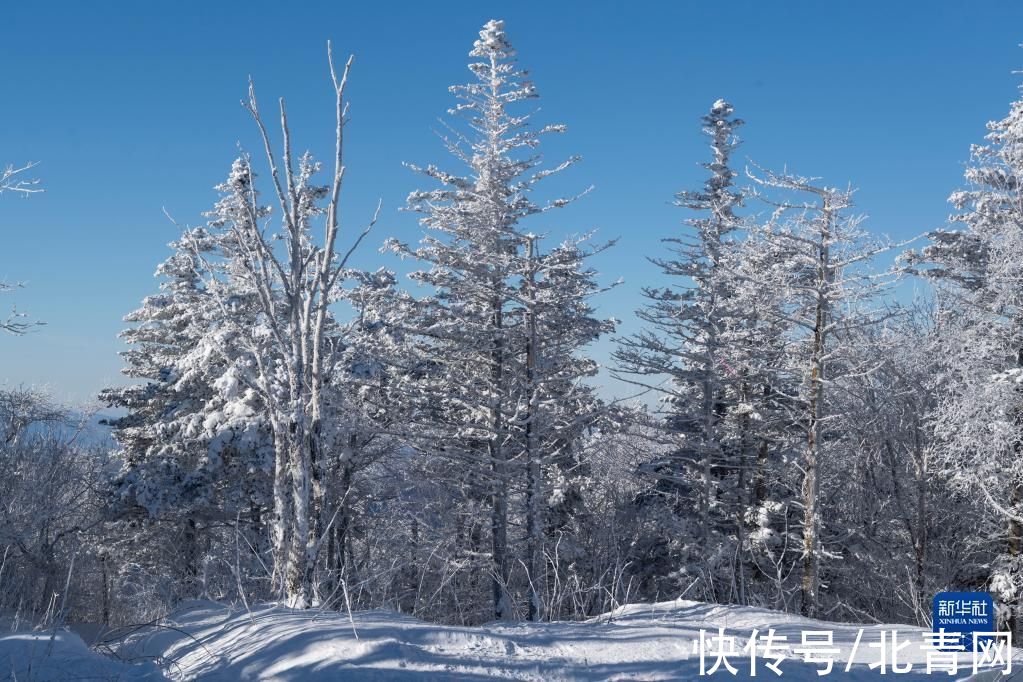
{"points": [[557, 406], [898, 516], [49, 511], [699, 352], [979, 422], [244, 346], [14, 179], [15, 323], [294, 280], [362, 420], [500, 336], [195, 447], [821, 286]]}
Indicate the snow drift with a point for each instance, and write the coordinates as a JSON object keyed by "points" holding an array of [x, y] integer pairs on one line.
{"points": [[61, 655], [210, 641]]}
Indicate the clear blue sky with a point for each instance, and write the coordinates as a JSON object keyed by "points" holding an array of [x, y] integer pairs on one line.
{"points": [[133, 107]]}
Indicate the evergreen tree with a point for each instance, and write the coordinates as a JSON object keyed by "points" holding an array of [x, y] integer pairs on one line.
{"points": [[194, 446], [690, 325], [499, 380], [979, 421], [557, 406]]}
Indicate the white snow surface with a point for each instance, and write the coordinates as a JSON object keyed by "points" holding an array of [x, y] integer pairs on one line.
{"points": [[210, 641], [56, 656]]}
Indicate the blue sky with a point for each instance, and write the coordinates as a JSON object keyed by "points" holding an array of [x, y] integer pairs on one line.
{"points": [[134, 107]]}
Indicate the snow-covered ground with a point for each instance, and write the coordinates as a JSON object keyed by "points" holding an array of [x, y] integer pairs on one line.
{"points": [[61, 655], [209, 641]]}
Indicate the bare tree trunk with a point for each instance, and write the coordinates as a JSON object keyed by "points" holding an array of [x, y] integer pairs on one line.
{"points": [[190, 555], [742, 503], [298, 572], [810, 493], [337, 537], [920, 541], [811, 460], [498, 458], [106, 589], [711, 443], [281, 529], [705, 491], [534, 524], [319, 514], [499, 534]]}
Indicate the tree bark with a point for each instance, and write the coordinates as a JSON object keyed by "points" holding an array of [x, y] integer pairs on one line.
{"points": [[498, 458], [534, 525], [810, 490]]}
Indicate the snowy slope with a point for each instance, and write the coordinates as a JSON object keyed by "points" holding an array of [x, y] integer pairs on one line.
{"points": [[209, 641], [61, 656], [640, 642]]}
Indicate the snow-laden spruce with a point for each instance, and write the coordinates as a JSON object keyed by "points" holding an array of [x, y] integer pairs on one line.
{"points": [[502, 331], [753, 335], [978, 269], [708, 334]]}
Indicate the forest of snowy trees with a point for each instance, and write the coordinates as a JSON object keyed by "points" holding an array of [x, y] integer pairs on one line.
{"points": [[807, 437]]}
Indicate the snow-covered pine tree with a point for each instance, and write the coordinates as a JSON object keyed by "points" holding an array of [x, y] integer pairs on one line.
{"points": [[756, 490], [486, 382], [690, 324], [978, 267], [193, 449], [557, 405]]}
